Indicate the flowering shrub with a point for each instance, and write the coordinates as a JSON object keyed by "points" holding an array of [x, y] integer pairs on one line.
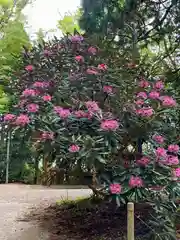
{"points": [[98, 122]]}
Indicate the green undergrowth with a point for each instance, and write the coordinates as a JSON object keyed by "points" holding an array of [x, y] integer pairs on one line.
{"points": [[79, 202]]}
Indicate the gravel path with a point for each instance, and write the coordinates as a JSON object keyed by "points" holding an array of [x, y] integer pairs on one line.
{"points": [[16, 200]]}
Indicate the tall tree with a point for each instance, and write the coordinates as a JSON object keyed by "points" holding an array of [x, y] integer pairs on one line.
{"points": [[13, 37], [69, 22]]}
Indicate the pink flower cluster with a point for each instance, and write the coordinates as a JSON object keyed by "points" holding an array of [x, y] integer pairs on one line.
{"points": [[92, 50], [108, 89], [79, 58], [92, 106], [29, 68], [144, 161], [142, 95], [168, 101], [174, 148], [62, 112], [47, 53], [29, 92], [9, 117], [168, 159], [102, 66], [145, 112], [159, 85], [74, 148], [109, 125], [172, 160], [39, 84], [154, 94], [158, 138], [177, 172], [76, 38], [81, 114], [139, 102], [47, 98], [135, 182], [22, 120], [115, 188], [33, 108], [161, 152], [143, 83]]}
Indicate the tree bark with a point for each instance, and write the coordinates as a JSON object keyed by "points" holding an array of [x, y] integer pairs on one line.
{"points": [[36, 170]]}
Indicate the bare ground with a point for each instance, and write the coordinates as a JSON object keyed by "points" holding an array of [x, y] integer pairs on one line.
{"points": [[16, 200]]}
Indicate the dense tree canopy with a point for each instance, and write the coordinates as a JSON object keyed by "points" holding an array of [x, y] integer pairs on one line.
{"points": [[13, 37]]}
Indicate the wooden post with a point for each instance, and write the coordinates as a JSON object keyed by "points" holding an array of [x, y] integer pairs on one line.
{"points": [[130, 221]]}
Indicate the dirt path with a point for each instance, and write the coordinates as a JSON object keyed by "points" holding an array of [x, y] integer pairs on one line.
{"points": [[16, 200]]}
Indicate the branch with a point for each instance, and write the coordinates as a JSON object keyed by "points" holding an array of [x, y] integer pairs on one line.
{"points": [[96, 191], [157, 24]]}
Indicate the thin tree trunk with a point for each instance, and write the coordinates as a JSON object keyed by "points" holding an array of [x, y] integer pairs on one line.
{"points": [[36, 170], [45, 170]]}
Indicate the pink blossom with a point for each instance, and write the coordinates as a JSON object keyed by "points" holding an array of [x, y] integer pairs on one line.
{"points": [[139, 102], [58, 109], [159, 85], [9, 117], [22, 120], [92, 106], [92, 71], [74, 148], [173, 148], [92, 50], [115, 188], [177, 172], [102, 66], [135, 182], [79, 58], [29, 68], [143, 83], [81, 114], [76, 38], [109, 125], [168, 101], [33, 108], [158, 138], [145, 112], [142, 95], [64, 113], [144, 161], [47, 98], [154, 95], [38, 84], [108, 89], [29, 92], [47, 135], [46, 84], [47, 53], [172, 160], [160, 152]]}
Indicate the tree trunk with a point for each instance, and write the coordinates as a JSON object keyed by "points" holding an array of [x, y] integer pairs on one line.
{"points": [[45, 170], [36, 170]]}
